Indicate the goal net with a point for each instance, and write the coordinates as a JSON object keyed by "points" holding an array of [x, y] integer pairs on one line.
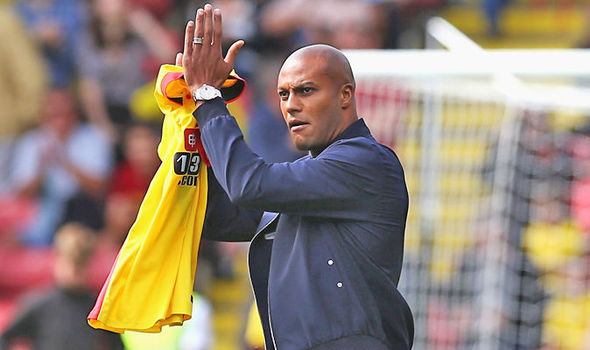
{"points": [[496, 151]]}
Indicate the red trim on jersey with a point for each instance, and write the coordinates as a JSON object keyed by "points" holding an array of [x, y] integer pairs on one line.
{"points": [[171, 76], [168, 78], [200, 147], [242, 91], [93, 315]]}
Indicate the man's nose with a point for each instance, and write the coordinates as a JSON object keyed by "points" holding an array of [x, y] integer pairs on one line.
{"points": [[293, 104]]}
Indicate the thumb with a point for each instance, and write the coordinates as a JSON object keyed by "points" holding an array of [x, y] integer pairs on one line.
{"points": [[179, 59], [232, 53]]}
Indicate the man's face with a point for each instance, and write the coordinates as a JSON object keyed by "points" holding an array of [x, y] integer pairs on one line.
{"points": [[309, 103], [59, 112]]}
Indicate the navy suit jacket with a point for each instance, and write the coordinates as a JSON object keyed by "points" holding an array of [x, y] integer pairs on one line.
{"points": [[325, 269]]}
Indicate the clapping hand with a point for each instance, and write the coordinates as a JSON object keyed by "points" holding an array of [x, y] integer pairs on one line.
{"points": [[202, 59]]}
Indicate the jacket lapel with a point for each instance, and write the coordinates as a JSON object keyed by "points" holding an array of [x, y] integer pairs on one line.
{"points": [[259, 266]]}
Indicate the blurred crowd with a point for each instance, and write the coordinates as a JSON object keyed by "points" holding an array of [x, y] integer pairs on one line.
{"points": [[548, 237], [79, 129]]}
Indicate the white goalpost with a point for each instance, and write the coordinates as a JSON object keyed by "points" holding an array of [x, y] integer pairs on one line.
{"points": [[496, 147]]}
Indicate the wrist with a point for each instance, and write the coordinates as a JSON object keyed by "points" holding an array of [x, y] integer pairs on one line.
{"points": [[199, 103]]}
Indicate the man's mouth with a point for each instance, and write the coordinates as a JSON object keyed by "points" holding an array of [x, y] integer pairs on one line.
{"points": [[297, 125]]}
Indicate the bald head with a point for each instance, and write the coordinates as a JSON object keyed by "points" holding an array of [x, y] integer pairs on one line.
{"points": [[316, 89], [329, 59]]}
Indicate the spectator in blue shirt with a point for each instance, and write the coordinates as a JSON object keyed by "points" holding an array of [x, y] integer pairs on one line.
{"points": [[62, 160], [327, 230]]}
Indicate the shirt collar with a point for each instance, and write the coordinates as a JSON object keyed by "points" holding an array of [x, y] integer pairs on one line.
{"points": [[356, 129]]}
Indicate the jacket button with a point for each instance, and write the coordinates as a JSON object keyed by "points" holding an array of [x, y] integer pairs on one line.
{"points": [[330, 262], [339, 284]]}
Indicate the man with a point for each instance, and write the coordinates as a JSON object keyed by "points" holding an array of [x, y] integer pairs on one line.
{"points": [[65, 164], [56, 319], [325, 272]]}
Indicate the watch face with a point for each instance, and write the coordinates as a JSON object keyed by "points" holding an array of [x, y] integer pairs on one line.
{"points": [[206, 92]]}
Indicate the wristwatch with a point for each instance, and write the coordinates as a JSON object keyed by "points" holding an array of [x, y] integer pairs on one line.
{"points": [[206, 93]]}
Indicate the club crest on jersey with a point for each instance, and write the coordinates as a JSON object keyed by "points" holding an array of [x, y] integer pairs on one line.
{"points": [[191, 139], [192, 143]]}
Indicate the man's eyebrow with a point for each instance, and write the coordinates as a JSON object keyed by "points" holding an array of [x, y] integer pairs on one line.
{"points": [[303, 84], [298, 85]]}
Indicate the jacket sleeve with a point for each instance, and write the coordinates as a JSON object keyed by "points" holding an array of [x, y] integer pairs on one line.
{"points": [[330, 185], [225, 221]]}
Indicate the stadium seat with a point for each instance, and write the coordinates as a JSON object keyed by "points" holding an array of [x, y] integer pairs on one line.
{"points": [[23, 269]]}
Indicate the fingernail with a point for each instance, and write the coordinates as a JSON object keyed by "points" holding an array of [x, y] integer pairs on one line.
{"points": [[200, 12]]}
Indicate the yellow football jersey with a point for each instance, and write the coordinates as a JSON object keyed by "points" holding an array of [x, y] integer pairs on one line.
{"points": [[151, 282]]}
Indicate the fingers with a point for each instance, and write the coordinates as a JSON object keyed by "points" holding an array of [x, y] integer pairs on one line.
{"points": [[208, 25], [188, 38], [178, 60], [217, 30], [198, 33], [204, 63], [232, 53]]}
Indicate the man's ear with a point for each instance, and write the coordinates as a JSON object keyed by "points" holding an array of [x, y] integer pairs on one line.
{"points": [[346, 95]]}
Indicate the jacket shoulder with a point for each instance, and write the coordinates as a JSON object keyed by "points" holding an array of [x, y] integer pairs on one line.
{"points": [[362, 151]]}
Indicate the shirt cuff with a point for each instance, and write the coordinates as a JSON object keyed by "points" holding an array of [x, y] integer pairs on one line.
{"points": [[209, 110]]}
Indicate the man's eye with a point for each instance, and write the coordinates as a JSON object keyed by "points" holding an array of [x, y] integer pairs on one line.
{"points": [[283, 94], [307, 90]]}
